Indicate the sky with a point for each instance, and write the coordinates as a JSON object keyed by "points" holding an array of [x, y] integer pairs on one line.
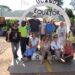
{"points": [[25, 4]]}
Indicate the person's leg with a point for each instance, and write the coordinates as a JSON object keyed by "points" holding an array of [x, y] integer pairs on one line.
{"points": [[51, 38], [23, 45], [45, 56], [13, 48], [16, 48], [27, 41], [57, 54]]}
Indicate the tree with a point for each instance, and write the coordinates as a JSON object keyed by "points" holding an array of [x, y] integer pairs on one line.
{"points": [[70, 13]]}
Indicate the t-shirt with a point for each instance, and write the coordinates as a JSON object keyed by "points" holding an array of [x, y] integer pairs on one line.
{"points": [[34, 25], [34, 41], [68, 50], [61, 31], [46, 45], [23, 31], [55, 46], [49, 28], [14, 35], [28, 28]]}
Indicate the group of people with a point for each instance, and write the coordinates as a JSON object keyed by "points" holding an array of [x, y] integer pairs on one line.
{"points": [[33, 33]]}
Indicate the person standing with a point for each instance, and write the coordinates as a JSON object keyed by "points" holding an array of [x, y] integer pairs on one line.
{"points": [[23, 36], [62, 31], [50, 28], [34, 23], [13, 37], [42, 27]]}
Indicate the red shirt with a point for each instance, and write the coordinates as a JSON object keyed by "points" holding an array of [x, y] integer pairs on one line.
{"points": [[68, 50]]}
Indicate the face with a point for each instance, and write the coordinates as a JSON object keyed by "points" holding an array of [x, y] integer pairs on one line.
{"points": [[62, 24], [33, 35], [68, 43], [55, 39], [34, 17], [44, 20], [15, 25]]}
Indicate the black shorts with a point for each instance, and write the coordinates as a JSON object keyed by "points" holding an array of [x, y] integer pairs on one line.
{"points": [[52, 51]]}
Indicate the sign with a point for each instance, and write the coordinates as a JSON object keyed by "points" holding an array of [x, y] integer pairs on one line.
{"points": [[48, 12], [46, 1]]}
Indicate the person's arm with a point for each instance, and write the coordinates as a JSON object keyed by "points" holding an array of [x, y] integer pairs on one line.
{"points": [[52, 46], [39, 23], [37, 42], [72, 51]]}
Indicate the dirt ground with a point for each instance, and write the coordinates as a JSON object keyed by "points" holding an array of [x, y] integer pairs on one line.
{"points": [[5, 56]]}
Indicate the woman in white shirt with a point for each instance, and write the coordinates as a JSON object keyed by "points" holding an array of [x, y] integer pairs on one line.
{"points": [[56, 46]]}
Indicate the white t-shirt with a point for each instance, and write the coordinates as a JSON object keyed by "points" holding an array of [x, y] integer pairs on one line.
{"points": [[43, 26], [55, 46], [34, 41], [46, 45], [61, 31]]}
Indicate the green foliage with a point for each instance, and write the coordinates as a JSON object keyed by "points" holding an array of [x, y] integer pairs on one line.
{"points": [[5, 27], [11, 21], [70, 13]]}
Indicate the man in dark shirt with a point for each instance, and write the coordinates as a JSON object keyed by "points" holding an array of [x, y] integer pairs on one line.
{"points": [[34, 23]]}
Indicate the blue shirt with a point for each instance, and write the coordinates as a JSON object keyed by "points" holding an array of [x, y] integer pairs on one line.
{"points": [[50, 28]]}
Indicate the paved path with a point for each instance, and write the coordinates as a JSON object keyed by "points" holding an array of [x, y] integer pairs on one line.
{"points": [[55, 68], [5, 56]]}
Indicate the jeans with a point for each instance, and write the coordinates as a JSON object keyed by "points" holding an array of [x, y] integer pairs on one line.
{"points": [[15, 47], [23, 43]]}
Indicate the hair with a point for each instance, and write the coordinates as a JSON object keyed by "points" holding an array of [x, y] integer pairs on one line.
{"points": [[55, 36], [23, 23]]}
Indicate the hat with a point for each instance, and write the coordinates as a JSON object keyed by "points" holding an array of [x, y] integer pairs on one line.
{"points": [[34, 14]]}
